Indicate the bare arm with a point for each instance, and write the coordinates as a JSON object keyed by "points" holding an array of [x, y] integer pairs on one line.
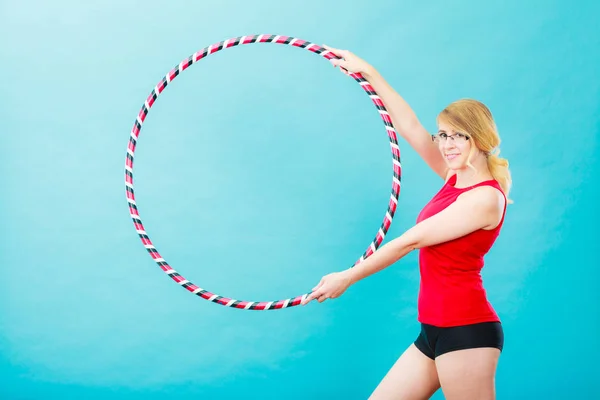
{"points": [[479, 208], [403, 117], [406, 123]]}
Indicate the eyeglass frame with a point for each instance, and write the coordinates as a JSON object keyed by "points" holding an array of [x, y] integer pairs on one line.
{"points": [[437, 136]]}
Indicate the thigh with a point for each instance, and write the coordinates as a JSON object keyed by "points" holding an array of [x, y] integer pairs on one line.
{"points": [[469, 373], [413, 376]]}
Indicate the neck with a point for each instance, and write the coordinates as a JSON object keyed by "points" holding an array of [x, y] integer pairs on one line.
{"points": [[467, 176]]}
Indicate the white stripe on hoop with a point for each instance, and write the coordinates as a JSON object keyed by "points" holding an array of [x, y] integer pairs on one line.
{"points": [[394, 200], [248, 305], [128, 168], [198, 290], [211, 298], [183, 282]]}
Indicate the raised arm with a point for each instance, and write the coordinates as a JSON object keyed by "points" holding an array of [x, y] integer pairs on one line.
{"points": [[403, 117]]}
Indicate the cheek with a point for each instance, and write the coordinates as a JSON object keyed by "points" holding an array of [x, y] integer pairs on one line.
{"points": [[465, 149], [466, 146]]}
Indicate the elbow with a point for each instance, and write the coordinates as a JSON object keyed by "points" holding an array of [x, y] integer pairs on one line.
{"points": [[416, 242], [416, 246], [406, 245]]}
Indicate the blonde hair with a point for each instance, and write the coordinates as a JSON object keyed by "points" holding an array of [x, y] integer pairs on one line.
{"points": [[474, 119]]}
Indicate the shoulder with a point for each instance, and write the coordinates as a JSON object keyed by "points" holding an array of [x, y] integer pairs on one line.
{"points": [[486, 202], [485, 197]]}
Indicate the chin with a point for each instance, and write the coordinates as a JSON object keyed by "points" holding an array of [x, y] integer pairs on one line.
{"points": [[456, 166]]}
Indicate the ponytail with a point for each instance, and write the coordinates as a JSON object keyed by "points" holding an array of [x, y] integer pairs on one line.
{"points": [[499, 169]]}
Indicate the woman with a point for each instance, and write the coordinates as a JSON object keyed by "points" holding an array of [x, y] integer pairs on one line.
{"points": [[461, 335]]}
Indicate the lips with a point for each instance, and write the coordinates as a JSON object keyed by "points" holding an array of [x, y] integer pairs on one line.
{"points": [[451, 157]]}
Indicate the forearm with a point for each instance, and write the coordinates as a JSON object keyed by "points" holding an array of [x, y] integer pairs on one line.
{"points": [[402, 115], [382, 258]]}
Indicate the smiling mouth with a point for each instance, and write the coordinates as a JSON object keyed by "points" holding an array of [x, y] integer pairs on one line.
{"points": [[451, 157]]}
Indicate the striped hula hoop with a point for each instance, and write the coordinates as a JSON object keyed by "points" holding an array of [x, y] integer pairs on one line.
{"points": [[160, 87]]}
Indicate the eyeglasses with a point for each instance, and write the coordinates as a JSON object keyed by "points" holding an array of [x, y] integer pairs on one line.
{"points": [[442, 137]]}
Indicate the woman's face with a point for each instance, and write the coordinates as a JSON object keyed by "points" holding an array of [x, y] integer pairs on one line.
{"points": [[454, 146]]}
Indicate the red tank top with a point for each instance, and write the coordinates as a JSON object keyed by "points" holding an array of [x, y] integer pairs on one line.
{"points": [[451, 291]]}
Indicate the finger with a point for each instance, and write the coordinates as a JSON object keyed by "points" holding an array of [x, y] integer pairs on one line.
{"points": [[337, 52], [313, 295], [322, 298], [319, 284], [307, 299], [339, 63]]}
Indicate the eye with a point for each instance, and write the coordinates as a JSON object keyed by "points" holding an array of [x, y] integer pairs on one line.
{"points": [[442, 135], [462, 136]]}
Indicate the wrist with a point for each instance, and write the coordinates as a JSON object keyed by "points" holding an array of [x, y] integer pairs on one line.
{"points": [[352, 276], [369, 72]]}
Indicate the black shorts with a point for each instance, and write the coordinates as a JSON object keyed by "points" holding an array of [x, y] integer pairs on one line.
{"points": [[434, 341]]}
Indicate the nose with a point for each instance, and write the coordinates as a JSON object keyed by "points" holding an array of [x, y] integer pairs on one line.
{"points": [[449, 143]]}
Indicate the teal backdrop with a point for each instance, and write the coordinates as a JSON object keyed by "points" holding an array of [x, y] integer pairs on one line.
{"points": [[262, 168]]}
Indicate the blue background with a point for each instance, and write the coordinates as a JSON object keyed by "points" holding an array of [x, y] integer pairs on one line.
{"points": [[261, 169]]}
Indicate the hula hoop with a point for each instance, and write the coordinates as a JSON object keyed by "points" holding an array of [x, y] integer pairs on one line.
{"points": [[160, 87]]}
